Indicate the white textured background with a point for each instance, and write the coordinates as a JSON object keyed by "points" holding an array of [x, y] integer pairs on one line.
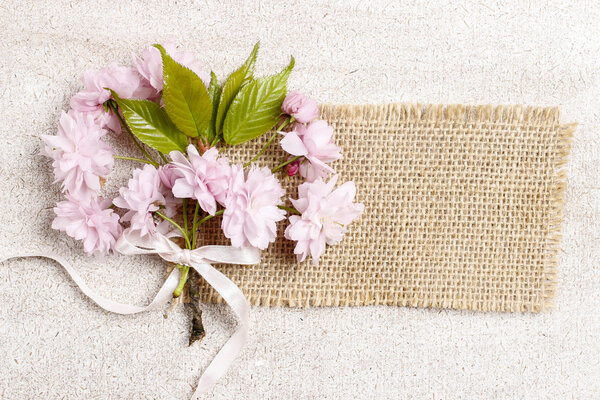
{"points": [[54, 343]]}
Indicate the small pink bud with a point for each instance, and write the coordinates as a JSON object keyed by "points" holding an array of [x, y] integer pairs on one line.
{"points": [[303, 109], [293, 168]]}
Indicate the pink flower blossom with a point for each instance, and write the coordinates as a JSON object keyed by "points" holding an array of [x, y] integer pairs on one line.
{"points": [[325, 216], [91, 221], [204, 178], [314, 142], [80, 157], [302, 108], [144, 195], [123, 80], [150, 65], [251, 210]]}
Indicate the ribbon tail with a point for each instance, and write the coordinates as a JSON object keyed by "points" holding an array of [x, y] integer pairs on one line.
{"points": [[163, 296], [234, 297]]}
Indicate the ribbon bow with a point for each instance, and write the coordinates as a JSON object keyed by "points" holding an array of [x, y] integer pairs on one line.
{"points": [[200, 259]]}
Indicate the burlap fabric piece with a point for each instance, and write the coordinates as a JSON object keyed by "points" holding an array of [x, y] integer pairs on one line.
{"points": [[463, 210]]}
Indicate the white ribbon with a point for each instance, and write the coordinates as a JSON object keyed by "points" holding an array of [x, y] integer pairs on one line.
{"points": [[199, 259]]}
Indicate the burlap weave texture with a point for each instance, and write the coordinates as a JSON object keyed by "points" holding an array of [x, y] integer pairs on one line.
{"points": [[463, 206]]}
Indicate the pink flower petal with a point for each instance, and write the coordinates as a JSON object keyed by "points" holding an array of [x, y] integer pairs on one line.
{"points": [[292, 143]]}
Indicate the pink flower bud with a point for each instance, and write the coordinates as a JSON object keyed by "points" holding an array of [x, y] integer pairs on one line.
{"points": [[300, 107], [293, 168]]}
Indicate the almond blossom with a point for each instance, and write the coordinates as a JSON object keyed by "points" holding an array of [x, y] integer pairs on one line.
{"points": [[80, 157], [251, 210], [302, 108], [144, 195], [325, 215], [313, 142], [125, 81], [91, 221], [201, 177]]}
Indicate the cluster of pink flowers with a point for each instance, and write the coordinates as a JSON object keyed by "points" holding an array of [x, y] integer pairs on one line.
{"points": [[81, 160], [324, 212], [250, 199], [310, 140]]}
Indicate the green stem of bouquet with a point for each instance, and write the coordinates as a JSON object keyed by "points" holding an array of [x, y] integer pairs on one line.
{"points": [[285, 123], [262, 150], [185, 217], [176, 225], [126, 127], [132, 159], [184, 271], [203, 220], [195, 224], [283, 164]]}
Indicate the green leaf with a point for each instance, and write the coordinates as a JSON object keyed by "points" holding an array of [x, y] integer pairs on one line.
{"points": [[232, 86], [186, 99], [151, 125], [256, 108], [214, 91]]}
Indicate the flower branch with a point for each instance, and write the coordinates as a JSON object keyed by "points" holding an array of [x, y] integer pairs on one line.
{"points": [[165, 101]]}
